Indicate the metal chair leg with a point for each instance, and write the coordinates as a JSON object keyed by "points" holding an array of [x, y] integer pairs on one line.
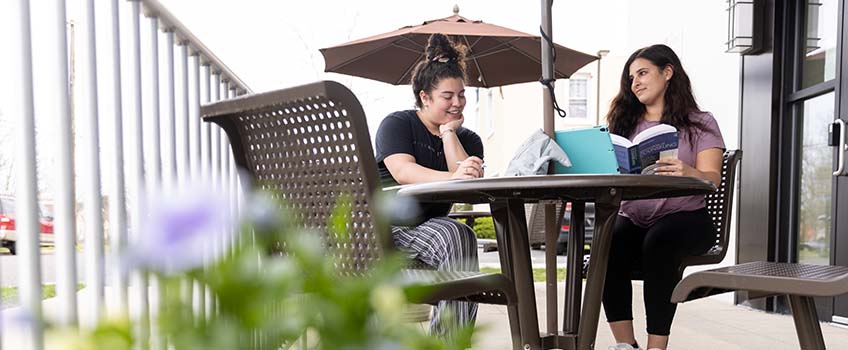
{"points": [[500, 214], [806, 322]]}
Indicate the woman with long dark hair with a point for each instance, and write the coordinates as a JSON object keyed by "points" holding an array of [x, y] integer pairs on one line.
{"points": [[656, 234], [429, 144]]}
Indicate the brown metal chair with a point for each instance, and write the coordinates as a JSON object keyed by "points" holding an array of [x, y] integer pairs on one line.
{"points": [[799, 282], [308, 145], [720, 206], [535, 214]]}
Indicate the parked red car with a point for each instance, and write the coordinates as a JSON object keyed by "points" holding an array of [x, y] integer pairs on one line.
{"points": [[8, 233]]}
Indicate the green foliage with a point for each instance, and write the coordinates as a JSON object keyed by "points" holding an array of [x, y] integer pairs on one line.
{"points": [[110, 333], [484, 228], [340, 218], [9, 295], [284, 298], [538, 274]]}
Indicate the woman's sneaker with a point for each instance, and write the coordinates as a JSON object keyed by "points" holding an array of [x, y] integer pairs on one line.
{"points": [[622, 346]]}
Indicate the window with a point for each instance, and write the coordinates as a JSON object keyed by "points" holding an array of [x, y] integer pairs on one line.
{"points": [[577, 102], [490, 114]]}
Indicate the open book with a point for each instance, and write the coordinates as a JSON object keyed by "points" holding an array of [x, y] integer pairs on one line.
{"points": [[641, 154]]}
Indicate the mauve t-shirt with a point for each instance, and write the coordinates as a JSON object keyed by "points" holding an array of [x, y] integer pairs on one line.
{"points": [[646, 212]]}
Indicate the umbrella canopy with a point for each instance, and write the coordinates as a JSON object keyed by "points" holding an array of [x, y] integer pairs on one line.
{"points": [[496, 55]]}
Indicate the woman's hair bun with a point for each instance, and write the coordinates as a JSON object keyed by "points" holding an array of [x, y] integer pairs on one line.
{"points": [[440, 48]]}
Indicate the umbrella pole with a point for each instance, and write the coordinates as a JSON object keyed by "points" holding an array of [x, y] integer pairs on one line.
{"points": [[551, 229]]}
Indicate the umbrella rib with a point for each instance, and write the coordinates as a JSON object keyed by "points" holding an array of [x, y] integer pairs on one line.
{"points": [[489, 53], [509, 46], [368, 53], [531, 57], [405, 48], [476, 64], [475, 42], [414, 43], [409, 68], [504, 45], [414, 63]]}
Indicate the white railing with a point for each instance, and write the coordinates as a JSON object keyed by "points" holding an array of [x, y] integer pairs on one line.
{"points": [[128, 105]]}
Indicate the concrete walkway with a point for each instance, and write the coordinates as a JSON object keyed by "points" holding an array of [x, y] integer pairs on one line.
{"points": [[711, 323]]}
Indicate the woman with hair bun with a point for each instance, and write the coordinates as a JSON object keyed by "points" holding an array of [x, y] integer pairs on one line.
{"points": [[428, 144]]}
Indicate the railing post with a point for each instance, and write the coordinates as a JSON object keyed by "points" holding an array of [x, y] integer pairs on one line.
{"points": [[118, 204], [184, 173], [199, 291], [169, 171], [214, 172], [138, 177], [159, 179], [155, 176], [64, 221], [194, 121], [206, 129], [93, 200], [27, 220], [206, 165]]}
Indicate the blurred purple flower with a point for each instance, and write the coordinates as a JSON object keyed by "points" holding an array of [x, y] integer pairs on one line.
{"points": [[182, 231], [17, 319]]}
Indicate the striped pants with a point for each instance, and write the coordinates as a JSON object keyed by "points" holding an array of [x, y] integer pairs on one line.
{"points": [[447, 245]]}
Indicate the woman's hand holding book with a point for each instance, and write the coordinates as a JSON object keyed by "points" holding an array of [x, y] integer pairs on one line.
{"points": [[674, 167]]}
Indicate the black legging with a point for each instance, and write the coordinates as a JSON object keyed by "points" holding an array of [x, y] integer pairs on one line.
{"points": [[658, 250]]}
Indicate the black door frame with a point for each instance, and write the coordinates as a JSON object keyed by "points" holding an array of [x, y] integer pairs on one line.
{"points": [[840, 183], [789, 151]]}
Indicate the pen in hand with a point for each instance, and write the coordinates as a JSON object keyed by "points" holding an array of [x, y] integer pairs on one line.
{"points": [[481, 165]]}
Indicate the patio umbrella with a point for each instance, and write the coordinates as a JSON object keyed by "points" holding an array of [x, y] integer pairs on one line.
{"points": [[496, 55]]}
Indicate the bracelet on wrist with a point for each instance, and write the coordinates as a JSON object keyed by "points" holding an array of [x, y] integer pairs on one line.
{"points": [[442, 134]]}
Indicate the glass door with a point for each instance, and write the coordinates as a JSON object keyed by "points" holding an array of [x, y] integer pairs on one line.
{"points": [[814, 228], [812, 105], [811, 194]]}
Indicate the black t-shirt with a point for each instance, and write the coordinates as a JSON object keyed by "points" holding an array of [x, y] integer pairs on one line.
{"points": [[403, 132]]}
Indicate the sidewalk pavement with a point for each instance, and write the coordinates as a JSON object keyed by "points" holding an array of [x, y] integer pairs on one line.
{"points": [[710, 323]]}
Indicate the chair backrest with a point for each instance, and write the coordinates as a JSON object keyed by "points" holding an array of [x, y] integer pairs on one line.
{"points": [[535, 214], [308, 146], [720, 207]]}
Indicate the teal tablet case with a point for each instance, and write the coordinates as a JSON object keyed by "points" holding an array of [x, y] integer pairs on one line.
{"points": [[589, 149]]}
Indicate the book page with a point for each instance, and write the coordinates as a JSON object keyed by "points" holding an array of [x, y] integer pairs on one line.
{"points": [[653, 131], [621, 141]]}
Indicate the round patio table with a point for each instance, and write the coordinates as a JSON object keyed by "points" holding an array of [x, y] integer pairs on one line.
{"points": [[507, 195]]}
